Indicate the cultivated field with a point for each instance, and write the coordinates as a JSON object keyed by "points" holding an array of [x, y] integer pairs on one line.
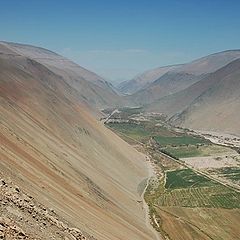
{"points": [[199, 150], [186, 188], [185, 202]]}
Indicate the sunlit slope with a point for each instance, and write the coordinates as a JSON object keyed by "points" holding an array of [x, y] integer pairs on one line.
{"points": [[57, 152], [143, 80], [210, 104], [92, 88], [180, 77], [216, 108]]}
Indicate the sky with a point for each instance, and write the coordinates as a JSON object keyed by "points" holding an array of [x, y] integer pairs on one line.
{"points": [[119, 39]]}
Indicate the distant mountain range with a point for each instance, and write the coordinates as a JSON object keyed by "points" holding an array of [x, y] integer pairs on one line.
{"points": [[213, 103], [203, 94], [198, 67], [143, 80]]}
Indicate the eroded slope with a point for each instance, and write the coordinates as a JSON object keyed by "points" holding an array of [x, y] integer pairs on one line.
{"points": [[54, 150]]}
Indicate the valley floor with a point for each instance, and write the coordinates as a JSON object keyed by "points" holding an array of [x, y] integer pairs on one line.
{"points": [[194, 193]]}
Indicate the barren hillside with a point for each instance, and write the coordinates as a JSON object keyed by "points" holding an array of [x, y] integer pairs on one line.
{"points": [[91, 87], [217, 108], [141, 81], [180, 77], [62, 160], [210, 104]]}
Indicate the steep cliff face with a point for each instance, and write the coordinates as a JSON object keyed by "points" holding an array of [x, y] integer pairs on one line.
{"points": [[55, 151]]}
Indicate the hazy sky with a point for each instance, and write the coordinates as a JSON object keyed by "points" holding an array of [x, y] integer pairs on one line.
{"points": [[120, 38]]}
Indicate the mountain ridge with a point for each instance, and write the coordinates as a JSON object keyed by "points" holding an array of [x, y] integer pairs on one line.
{"points": [[84, 81], [179, 106], [171, 81]]}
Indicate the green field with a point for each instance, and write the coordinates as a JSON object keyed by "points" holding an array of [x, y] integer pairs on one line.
{"points": [[212, 197], [161, 134], [203, 150], [132, 130], [185, 178], [187, 188], [131, 111], [179, 140], [140, 131], [232, 173], [177, 188], [184, 151]]}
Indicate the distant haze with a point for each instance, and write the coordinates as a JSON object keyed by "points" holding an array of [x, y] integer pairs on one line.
{"points": [[119, 39]]}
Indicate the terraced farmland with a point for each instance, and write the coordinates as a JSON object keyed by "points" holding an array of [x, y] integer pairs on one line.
{"points": [[185, 178], [232, 173], [184, 204], [186, 188], [212, 197], [189, 202]]}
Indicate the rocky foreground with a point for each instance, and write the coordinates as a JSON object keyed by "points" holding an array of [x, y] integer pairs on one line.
{"points": [[19, 209]]}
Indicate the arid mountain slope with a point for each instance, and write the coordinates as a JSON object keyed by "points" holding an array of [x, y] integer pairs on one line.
{"points": [[217, 108], [168, 84], [54, 150], [143, 80], [211, 63], [183, 76], [94, 89], [210, 104]]}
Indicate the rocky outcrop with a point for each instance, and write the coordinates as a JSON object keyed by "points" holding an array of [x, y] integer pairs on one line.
{"points": [[20, 209]]}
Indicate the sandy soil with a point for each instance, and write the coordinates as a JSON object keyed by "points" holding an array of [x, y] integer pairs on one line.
{"points": [[56, 151], [220, 138]]}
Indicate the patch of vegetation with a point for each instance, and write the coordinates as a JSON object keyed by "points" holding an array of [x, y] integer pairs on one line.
{"points": [[185, 188], [108, 110], [232, 173], [153, 192], [140, 131], [133, 130], [185, 178], [229, 170], [172, 155], [217, 196], [180, 140], [131, 111], [183, 151], [202, 150]]}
